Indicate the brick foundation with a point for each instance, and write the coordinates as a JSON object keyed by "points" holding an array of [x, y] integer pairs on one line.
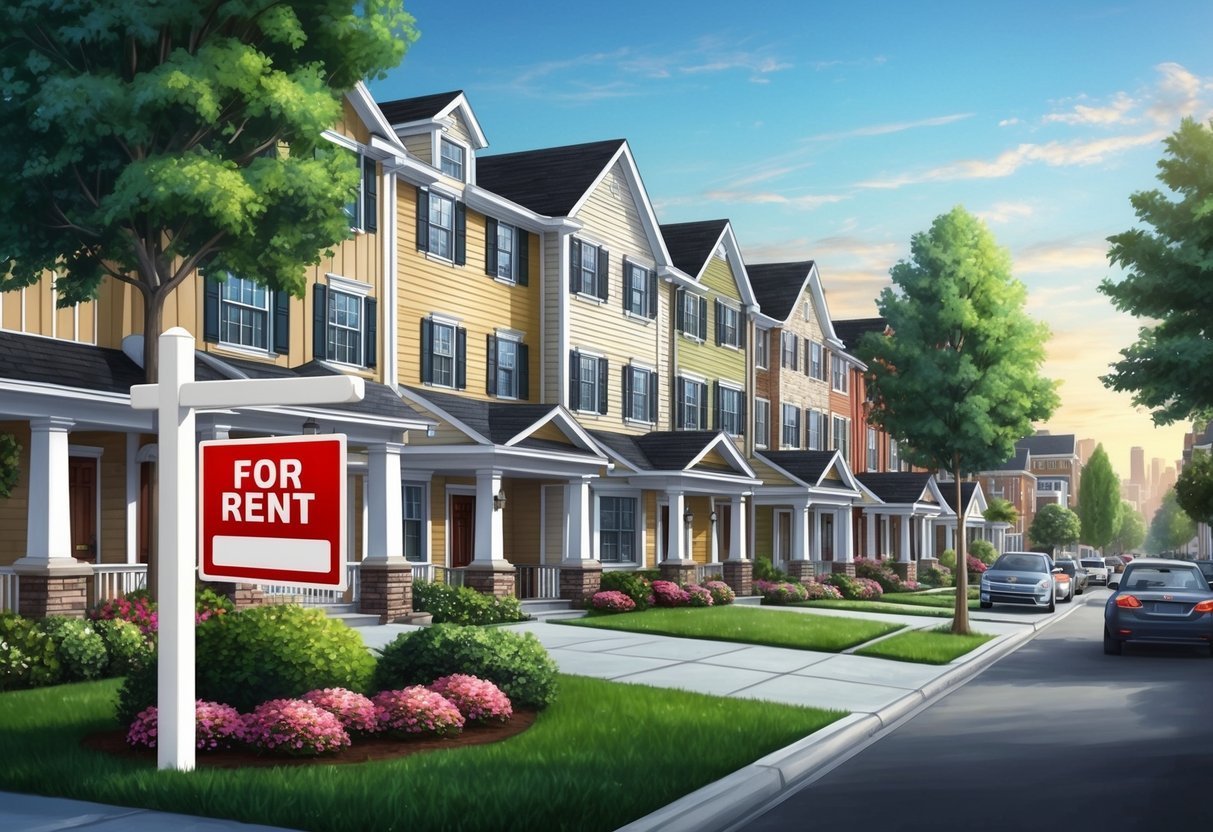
{"points": [[43, 595], [386, 590], [840, 568], [495, 581], [243, 596], [739, 575], [906, 570], [927, 563], [579, 583], [801, 570], [679, 572]]}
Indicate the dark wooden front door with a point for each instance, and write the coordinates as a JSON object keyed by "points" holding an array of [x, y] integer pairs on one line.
{"points": [[463, 529], [724, 530], [82, 506]]}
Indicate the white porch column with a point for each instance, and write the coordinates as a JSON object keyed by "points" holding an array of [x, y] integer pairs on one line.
{"points": [[675, 544], [713, 534], [799, 529], [815, 535], [949, 536], [49, 525], [846, 535], [903, 548], [490, 534], [886, 537], [925, 544], [737, 529], [132, 498], [384, 503], [869, 542], [577, 521]]}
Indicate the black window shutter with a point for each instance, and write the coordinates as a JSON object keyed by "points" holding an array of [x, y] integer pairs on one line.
{"points": [[371, 332], [604, 377], [427, 351], [703, 319], [282, 322], [423, 220], [679, 403], [574, 265], [741, 425], [524, 372], [574, 380], [461, 358], [522, 258], [653, 397], [461, 233], [627, 285], [719, 309], [625, 377], [680, 312], [210, 310], [490, 380], [651, 298], [370, 195], [490, 246], [604, 273], [716, 409], [320, 320]]}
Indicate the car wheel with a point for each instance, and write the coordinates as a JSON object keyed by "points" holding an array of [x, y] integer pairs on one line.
{"points": [[1081, 591], [985, 605], [1069, 597], [1111, 646], [1052, 606]]}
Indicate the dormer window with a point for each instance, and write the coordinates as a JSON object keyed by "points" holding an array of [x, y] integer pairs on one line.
{"points": [[452, 163]]}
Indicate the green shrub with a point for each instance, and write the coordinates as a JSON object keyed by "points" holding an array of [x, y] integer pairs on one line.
{"points": [[515, 662], [765, 571], [948, 559], [880, 572], [208, 602], [125, 645], [138, 691], [984, 551], [936, 576], [28, 658], [463, 605], [79, 647], [632, 584]]}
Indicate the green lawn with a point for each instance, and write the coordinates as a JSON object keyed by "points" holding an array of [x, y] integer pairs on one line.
{"points": [[602, 756], [744, 624], [893, 608], [926, 647]]}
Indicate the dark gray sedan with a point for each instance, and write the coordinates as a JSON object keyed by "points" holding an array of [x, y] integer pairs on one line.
{"points": [[1158, 601]]}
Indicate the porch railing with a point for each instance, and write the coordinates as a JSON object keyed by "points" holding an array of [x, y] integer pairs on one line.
{"points": [[315, 597], [9, 580], [705, 572], [113, 580], [433, 573], [533, 582]]}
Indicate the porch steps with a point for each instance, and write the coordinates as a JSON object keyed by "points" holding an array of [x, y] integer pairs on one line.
{"points": [[550, 608], [350, 615]]}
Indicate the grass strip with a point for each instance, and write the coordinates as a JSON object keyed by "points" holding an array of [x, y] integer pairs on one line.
{"points": [[603, 755], [746, 625], [938, 646], [928, 611]]}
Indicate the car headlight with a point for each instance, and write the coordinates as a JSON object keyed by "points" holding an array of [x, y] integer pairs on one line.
{"points": [[1044, 583]]}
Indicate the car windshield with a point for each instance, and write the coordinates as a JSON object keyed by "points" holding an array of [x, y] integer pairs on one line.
{"points": [[1088, 562], [1161, 577], [1013, 562]]}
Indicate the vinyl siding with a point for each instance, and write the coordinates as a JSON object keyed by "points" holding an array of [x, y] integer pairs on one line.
{"points": [[458, 130], [555, 287], [520, 521], [553, 523], [33, 310], [421, 146], [764, 532]]}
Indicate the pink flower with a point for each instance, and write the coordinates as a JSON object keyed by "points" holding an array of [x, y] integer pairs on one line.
{"points": [[215, 726], [294, 726], [478, 700], [612, 601], [669, 594], [722, 593], [417, 710], [355, 711]]}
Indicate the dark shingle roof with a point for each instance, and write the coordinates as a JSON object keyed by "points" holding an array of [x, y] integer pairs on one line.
{"points": [[948, 490], [66, 363], [665, 450], [404, 110], [1049, 444], [806, 466], [851, 330], [691, 243], [777, 286], [547, 181], [1019, 462], [499, 422], [896, 486]]}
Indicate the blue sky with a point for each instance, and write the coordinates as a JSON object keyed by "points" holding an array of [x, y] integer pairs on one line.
{"points": [[834, 132]]}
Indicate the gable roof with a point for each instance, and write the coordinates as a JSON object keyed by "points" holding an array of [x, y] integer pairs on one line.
{"points": [[806, 466], [898, 486], [692, 244], [967, 490], [405, 110], [1049, 444], [671, 450], [1021, 460], [777, 286], [550, 181], [850, 330]]}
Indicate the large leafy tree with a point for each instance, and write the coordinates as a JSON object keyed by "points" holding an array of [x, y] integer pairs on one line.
{"points": [[1131, 530], [957, 378], [1171, 527], [1194, 488], [143, 139], [1055, 525], [1169, 262], [1099, 500]]}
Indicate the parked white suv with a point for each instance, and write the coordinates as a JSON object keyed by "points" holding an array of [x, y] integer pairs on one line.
{"points": [[1097, 570]]}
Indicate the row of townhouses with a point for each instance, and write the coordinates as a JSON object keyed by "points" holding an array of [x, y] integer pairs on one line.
{"points": [[557, 384]]}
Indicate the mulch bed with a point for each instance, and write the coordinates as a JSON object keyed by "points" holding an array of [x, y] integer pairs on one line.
{"points": [[362, 750]]}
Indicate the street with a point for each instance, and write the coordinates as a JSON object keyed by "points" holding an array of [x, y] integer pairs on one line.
{"points": [[1055, 736]]}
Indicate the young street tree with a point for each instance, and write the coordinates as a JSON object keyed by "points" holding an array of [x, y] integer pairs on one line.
{"points": [[1055, 525], [1171, 527], [1098, 500], [145, 139], [1194, 488], [1169, 272], [1130, 531], [958, 379]]}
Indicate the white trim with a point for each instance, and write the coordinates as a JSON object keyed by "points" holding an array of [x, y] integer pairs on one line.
{"points": [[94, 453], [132, 497], [341, 141], [690, 376], [389, 360], [562, 294], [507, 334], [445, 318], [638, 534], [349, 286], [469, 155]]}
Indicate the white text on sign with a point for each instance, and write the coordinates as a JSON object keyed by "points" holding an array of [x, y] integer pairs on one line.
{"points": [[267, 506]]}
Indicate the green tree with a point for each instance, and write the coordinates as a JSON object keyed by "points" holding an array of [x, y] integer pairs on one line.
{"points": [[1194, 488], [1169, 270], [999, 510], [957, 379], [1131, 530], [1055, 525], [1171, 527], [141, 140], [1098, 500]]}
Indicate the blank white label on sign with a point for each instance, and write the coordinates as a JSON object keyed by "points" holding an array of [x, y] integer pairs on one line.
{"points": [[272, 553]]}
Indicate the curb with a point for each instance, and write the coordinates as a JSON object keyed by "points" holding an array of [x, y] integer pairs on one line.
{"points": [[719, 806]]}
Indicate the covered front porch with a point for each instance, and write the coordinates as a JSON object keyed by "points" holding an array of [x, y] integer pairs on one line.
{"points": [[901, 528]]}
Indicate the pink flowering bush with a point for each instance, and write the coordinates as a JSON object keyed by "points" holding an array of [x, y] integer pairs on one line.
{"points": [[355, 711], [295, 727], [669, 594], [698, 596], [816, 590], [478, 700], [780, 592], [612, 601], [976, 567], [722, 593], [216, 726], [867, 589], [417, 710], [139, 611]]}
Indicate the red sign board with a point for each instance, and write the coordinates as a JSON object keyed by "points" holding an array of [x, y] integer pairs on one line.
{"points": [[272, 511]]}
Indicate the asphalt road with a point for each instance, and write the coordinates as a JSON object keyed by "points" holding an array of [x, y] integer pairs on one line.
{"points": [[1054, 736]]}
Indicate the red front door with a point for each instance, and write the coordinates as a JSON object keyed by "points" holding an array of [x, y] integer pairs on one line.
{"points": [[463, 529], [82, 506]]}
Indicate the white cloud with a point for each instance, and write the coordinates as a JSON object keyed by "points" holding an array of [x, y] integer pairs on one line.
{"points": [[893, 127], [1178, 95], [808, 201], [1117, 112], [1007, 122], [1003, 212]]}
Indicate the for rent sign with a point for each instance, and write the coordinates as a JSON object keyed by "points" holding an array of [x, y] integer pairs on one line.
{"points": [[272, 511]]}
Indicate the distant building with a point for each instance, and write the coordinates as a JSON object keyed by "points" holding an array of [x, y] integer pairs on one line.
{"points": [[1055, 463]]}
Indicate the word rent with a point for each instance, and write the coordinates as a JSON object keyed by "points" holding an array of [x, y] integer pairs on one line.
{"points": [[286, 503]]}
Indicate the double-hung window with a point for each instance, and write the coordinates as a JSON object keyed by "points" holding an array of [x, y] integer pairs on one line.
{"points": [[762, 422], [589, 268], [344, 328], [790, 437], [363, 207], [414, 523], [815, 441], [789, 349], [839, 367], [452, 159], [244, 314], [443, 354], [728, 325], [729, 410], [505, 252], [692, 405], [344, 323], [817, 367], [588, 377], [617, 529], [692, 318], [871, 456], [441, 226], [639, 394], [639, 290], [762, 349], [894, 456], [507, 373], [842, 435]]}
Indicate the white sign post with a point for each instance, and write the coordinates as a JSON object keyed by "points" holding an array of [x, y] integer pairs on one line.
{"points": [[175, 397]]}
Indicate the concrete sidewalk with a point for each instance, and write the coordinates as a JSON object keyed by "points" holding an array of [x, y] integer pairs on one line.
{"points": [[876, 692]]}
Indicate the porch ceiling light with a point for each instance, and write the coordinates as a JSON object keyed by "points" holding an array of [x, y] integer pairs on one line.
{"points": [[688, 516], [311, 427], [499, 500], [712, 516]]}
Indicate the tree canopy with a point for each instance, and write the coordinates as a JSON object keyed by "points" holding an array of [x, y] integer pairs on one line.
{"points": [[1055, 525], [143, 139], [957, 380], [1098, 500], [1131, 530], [1194, 488], [1171, 527], [999, 510], [1170, 267]]}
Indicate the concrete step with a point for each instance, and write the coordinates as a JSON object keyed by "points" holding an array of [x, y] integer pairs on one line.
{"points": [[350, 615], [549, 608]]}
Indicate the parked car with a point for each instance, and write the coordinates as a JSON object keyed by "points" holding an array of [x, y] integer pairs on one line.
{"points": [[1023, 578], [1206, 569], [1159, 601], [1115, 563], [1097, 570], [1077, 575]]}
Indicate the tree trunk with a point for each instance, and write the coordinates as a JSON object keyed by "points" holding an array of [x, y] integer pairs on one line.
{"points": [[153, 316], [960, 617]]}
